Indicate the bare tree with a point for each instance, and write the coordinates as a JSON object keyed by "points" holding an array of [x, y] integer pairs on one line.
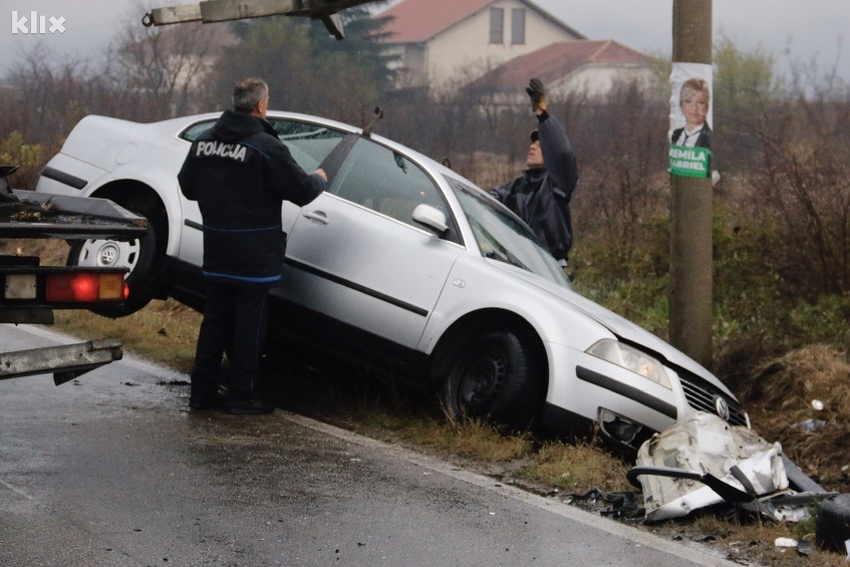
{"points": [[47, 95], [164, 69]]}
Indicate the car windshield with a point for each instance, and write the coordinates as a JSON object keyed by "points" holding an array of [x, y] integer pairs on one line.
{"points": [[503, 237]]}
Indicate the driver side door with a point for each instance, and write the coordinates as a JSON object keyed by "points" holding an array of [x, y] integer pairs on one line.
{"points": [[355, 256]]}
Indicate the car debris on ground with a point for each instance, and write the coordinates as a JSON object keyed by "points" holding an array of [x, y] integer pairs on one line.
{"points": [[702, 463]]}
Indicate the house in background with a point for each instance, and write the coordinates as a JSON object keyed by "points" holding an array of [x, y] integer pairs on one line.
{"points": [[442, 44], [569, 69]]}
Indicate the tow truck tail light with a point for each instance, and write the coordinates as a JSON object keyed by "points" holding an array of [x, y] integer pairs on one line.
{"points": [[85, 288]]}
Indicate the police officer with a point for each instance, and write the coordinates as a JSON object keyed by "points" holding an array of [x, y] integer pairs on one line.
{"points": [[240, 173], [541, 195]]}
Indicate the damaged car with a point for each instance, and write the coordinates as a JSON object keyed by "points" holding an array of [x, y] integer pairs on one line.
{"points": [[407, 265]]}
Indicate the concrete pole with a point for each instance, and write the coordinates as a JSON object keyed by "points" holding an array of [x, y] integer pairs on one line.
{"points": [[691, 209]]}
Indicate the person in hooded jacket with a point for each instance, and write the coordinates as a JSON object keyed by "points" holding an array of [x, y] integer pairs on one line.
{"points": [[240, 173], [541, 195]]}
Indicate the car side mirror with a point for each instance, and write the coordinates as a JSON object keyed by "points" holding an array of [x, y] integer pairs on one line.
{"points": [[430, 217]]}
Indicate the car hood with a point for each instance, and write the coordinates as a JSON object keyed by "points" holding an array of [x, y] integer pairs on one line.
{"points": [[625, 330]]}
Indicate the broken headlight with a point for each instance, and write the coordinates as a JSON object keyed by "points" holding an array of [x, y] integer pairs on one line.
{"points": [[630, 358]]}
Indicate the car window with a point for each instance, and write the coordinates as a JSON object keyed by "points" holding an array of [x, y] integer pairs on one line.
{"points": [[385, 181], [194, 131], [309, 143], [502, 236]]}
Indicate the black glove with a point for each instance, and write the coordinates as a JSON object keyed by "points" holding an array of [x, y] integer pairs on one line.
{"points": [[537, 92]]}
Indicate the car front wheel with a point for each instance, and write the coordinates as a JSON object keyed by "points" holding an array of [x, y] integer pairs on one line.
{"points": [[496, 378]]}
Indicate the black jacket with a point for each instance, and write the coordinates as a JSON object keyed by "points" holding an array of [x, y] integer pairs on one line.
{"points": [[541, 197], [240, 173]]}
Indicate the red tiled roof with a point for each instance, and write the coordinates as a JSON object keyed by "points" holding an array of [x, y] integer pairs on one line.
{"points": [[418, 20], [415, 21], [559, 59]]}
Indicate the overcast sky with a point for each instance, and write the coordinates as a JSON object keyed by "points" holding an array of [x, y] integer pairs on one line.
{"points": [[811, 30]]}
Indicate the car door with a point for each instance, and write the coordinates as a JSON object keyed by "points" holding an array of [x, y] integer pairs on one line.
{"points": [[356, 256]]}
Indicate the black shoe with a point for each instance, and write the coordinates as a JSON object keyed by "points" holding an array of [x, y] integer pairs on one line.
{"points": [[210, 401], [253, 406]]}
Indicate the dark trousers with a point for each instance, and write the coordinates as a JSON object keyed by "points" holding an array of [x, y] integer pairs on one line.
{"points": [[234, 323]]}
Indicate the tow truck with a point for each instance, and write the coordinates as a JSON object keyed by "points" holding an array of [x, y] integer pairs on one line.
{"points": [[31, 292], [211, 11]]}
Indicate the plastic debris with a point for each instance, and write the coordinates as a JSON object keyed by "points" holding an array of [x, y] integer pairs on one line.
{"points": [[708, 446], [804, 547], [811, 425], [702, 461]]}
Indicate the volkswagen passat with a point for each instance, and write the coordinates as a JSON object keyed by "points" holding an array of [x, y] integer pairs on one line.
{"points": [[405, 263]]}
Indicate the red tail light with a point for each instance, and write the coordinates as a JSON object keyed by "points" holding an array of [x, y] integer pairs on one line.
{"points": [[85, 288]]}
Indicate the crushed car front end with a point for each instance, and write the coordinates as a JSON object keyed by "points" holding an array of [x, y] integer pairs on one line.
{"points": [[629, 392]]}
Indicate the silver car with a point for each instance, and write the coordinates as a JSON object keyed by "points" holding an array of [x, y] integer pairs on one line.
{"points": [[405, 263]]}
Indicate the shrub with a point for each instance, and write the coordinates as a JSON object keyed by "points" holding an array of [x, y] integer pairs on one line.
{"points": [[30, 158]]}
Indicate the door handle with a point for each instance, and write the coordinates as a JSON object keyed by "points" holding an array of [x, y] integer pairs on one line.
{"points": [[318, 216]]}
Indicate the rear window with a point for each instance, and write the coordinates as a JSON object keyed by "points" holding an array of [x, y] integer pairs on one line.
{"points": [[309, 143]]}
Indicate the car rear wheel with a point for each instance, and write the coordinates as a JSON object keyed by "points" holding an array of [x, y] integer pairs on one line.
{"points": [[141, 256], [496, 378]]}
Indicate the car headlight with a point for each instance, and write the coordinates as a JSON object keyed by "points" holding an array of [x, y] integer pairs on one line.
{"points": [[630, 358]]}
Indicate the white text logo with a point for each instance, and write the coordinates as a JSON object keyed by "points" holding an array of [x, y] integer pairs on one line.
{"points": [[37, 24]]}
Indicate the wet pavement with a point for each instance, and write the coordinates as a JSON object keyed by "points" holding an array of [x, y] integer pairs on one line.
{"points": [[111, 470]]}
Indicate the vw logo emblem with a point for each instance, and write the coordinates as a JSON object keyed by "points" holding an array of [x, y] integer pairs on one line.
{"points": [[721, 406], [108, 256]]}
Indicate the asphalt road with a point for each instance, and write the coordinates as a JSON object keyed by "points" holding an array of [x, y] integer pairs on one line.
{"points": [[111, 470]]}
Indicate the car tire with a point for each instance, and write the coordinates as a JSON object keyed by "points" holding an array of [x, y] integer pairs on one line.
{"points": [[495, 378], [832, 523], [143, 257]]}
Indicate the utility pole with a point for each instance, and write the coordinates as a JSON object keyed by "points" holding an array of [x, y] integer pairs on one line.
{"points": [[691, 265]]}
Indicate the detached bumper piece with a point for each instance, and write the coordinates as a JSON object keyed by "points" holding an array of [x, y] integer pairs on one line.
{"points": [[718, 463], [66, 362]]}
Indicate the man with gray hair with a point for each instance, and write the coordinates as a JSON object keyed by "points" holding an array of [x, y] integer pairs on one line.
{"points": [[240, 173]]}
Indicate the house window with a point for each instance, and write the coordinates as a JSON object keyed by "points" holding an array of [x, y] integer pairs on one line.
{"points": [[518, 27], [497, 25]]}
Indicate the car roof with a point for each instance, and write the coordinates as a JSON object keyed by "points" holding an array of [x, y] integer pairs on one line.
{"points": [[181, 123]]}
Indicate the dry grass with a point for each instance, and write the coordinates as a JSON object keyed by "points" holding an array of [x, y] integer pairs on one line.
{"points": [[784, 393], [52, 252], [164, 332], [472, 440], [577, 467]]}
